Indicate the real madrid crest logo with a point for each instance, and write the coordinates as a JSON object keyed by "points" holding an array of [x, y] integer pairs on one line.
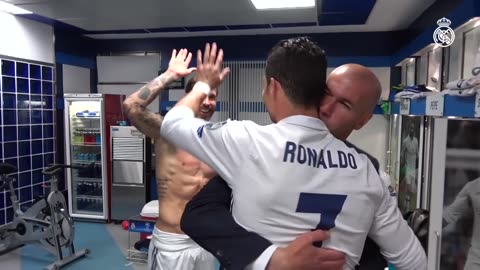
{"points": [[444, 35]]}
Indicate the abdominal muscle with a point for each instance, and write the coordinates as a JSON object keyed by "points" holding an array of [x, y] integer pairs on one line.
{"points": [[179, 177]]}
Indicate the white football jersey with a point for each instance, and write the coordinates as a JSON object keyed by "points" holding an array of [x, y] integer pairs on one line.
{"points": [[293, 177]]}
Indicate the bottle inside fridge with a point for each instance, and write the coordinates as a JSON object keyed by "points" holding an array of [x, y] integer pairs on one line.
{"points": [[86, 151]]}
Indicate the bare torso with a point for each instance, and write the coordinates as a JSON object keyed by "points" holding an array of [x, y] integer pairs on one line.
{"points": [[179, 177]]}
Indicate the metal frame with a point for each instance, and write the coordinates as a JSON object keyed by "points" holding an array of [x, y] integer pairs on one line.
{"points": [[421, 168], [439, 146], [427, 162]]}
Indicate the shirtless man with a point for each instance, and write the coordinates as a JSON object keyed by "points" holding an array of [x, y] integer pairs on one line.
{"points": [[179, 175]]}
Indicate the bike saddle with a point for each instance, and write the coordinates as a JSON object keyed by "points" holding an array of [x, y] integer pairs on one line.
{"points": [[6, 168]]}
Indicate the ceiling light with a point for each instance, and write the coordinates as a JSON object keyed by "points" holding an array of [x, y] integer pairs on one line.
{"points": [[12, 9], [277, 4], [477, 23]]}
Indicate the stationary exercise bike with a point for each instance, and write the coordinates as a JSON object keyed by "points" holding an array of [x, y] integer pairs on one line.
{"points": [[46, 223]]}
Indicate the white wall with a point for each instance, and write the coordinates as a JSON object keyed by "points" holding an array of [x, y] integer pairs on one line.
{"points": [[373, 138], [123, 75], [26, 39], [127, 69], [430, 62], [76, 80], [457, 52]]}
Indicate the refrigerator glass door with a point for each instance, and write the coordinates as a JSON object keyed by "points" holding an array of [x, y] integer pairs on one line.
{"points": [[393, 152], [410, 166], [455, 204], [85, 133]]}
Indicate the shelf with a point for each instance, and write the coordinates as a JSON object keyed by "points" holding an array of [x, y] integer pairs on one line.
{"points": [[463, 153], [89, 145], [95, 197], [87, 179], [85, 117], [86, 162], [86, 213], [445, 106]]}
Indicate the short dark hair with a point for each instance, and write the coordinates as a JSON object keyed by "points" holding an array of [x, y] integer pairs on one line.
{"points": [[190, 84], [300, 66]]}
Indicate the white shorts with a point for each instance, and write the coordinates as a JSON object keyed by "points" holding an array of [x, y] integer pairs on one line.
{"points": [[172, 251]]}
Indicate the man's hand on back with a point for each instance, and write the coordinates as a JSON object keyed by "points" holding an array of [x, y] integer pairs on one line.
{"points": [[302, 255]]}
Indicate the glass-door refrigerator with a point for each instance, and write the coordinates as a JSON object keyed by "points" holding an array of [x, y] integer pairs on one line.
{"points": [[85, 147], [454, 232]]}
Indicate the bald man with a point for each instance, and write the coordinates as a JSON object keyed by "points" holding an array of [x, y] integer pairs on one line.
{"points": [[353, 92]]}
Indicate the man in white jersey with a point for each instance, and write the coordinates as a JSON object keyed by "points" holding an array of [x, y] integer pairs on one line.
{"points": [[352, 94], [467, 202], [284, 175]]}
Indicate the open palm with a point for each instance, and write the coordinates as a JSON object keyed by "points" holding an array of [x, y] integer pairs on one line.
{"points": [[178, 64]]}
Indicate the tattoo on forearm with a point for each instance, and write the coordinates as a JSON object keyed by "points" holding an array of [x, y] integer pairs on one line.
{"points": [[162, 184], [166, 79], [144, 93]]}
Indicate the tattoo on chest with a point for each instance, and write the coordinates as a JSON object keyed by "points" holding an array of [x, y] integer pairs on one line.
{"points": [[162, 187]]}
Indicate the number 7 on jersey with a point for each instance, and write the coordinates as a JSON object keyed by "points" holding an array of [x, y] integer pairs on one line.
{"points": [[327, 205]]}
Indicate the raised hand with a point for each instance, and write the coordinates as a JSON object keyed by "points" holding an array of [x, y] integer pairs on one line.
{"points": [[209, 69], [178, 65]]}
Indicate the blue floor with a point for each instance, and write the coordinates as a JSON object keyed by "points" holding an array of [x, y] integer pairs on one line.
{"points": [[107, 244], [104, 253]]}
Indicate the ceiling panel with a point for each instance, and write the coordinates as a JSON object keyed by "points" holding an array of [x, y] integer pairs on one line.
{"points": [[223, 17], [100, 15]]}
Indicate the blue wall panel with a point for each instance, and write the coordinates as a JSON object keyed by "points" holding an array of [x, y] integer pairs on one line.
{"points": [[27, 124]]}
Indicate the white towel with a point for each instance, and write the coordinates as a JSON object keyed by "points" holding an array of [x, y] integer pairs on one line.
{"points": [[462, 92], [408, 94], [464, 83]]}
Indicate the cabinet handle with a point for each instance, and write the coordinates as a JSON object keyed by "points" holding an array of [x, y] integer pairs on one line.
{"points": [[437, 251]]}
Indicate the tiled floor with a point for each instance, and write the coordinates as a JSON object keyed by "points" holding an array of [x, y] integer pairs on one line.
{"points": [[107, 243]]}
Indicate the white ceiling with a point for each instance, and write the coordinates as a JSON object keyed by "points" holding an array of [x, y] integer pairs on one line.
{"points": [[101, 15]]}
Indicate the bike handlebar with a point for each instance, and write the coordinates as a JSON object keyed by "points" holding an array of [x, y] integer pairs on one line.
{"points": [[4, 184], [6, 170], [55, 169]]}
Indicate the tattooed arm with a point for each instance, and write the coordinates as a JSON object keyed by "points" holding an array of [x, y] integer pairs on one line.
{"points": [[136, 104]]}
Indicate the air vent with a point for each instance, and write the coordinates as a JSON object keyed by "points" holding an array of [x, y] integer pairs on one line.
{"points": [[127, 149]]}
